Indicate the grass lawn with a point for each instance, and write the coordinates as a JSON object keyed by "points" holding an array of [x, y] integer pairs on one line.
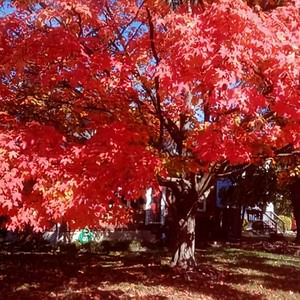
{"points": [[225, 273], [254, 274]]}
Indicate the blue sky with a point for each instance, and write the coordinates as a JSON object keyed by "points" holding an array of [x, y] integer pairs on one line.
{"points": [[6, 9]]}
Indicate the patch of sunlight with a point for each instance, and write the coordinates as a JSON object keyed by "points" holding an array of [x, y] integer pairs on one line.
{"points": [[283, 263], [279, 257], [139, 290], [258, 288], [252, 272]]}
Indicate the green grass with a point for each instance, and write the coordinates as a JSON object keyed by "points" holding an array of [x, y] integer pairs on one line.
{"points": [[267, 275]]}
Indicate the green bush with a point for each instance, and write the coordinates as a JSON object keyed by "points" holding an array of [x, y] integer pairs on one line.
{"points": [[287, 222]]}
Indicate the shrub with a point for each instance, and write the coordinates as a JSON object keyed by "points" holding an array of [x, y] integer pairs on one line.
{"points": [[134, 246]]}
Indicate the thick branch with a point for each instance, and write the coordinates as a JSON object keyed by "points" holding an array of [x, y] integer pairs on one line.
{"points": [[151, 31], [85, 107], [175, 180], [156, 80], [176, 134], [234, 171]]}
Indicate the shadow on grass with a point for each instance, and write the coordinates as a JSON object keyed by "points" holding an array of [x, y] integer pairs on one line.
{"points": [[275, 272], [91, 294], [276, 277], [47, 276]]}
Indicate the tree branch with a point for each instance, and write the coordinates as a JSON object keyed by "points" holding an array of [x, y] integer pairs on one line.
{"points": [[80, 34], [120, 33], [133, 36], [234, 171], [156, 79], [45, 6], [151, 32], [178, 180]]}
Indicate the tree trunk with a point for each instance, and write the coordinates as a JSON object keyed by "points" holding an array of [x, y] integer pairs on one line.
{"points": [[297, 241], [295, 194], [242, 219], [185, 251], [188, 192], [296, 206]]}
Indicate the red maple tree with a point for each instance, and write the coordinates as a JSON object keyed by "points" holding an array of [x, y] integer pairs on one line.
{"points": [[99, 97]]}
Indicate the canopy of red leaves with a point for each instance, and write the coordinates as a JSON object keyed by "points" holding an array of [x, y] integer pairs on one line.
{"points": [[101, 97]]}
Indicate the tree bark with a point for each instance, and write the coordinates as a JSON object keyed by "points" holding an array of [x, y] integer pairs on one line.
{"points": [[187, 202], [189, 191], [184, 255]]}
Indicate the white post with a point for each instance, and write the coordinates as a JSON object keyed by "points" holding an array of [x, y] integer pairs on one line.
{"points": [[163, 202], [148, 204]]}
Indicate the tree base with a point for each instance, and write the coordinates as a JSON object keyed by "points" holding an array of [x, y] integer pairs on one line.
{"points": [[184, 257]]}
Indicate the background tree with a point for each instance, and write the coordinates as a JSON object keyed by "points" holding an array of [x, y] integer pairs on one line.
{"points": [[106, 98], [288, 174], [258, 183]]}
